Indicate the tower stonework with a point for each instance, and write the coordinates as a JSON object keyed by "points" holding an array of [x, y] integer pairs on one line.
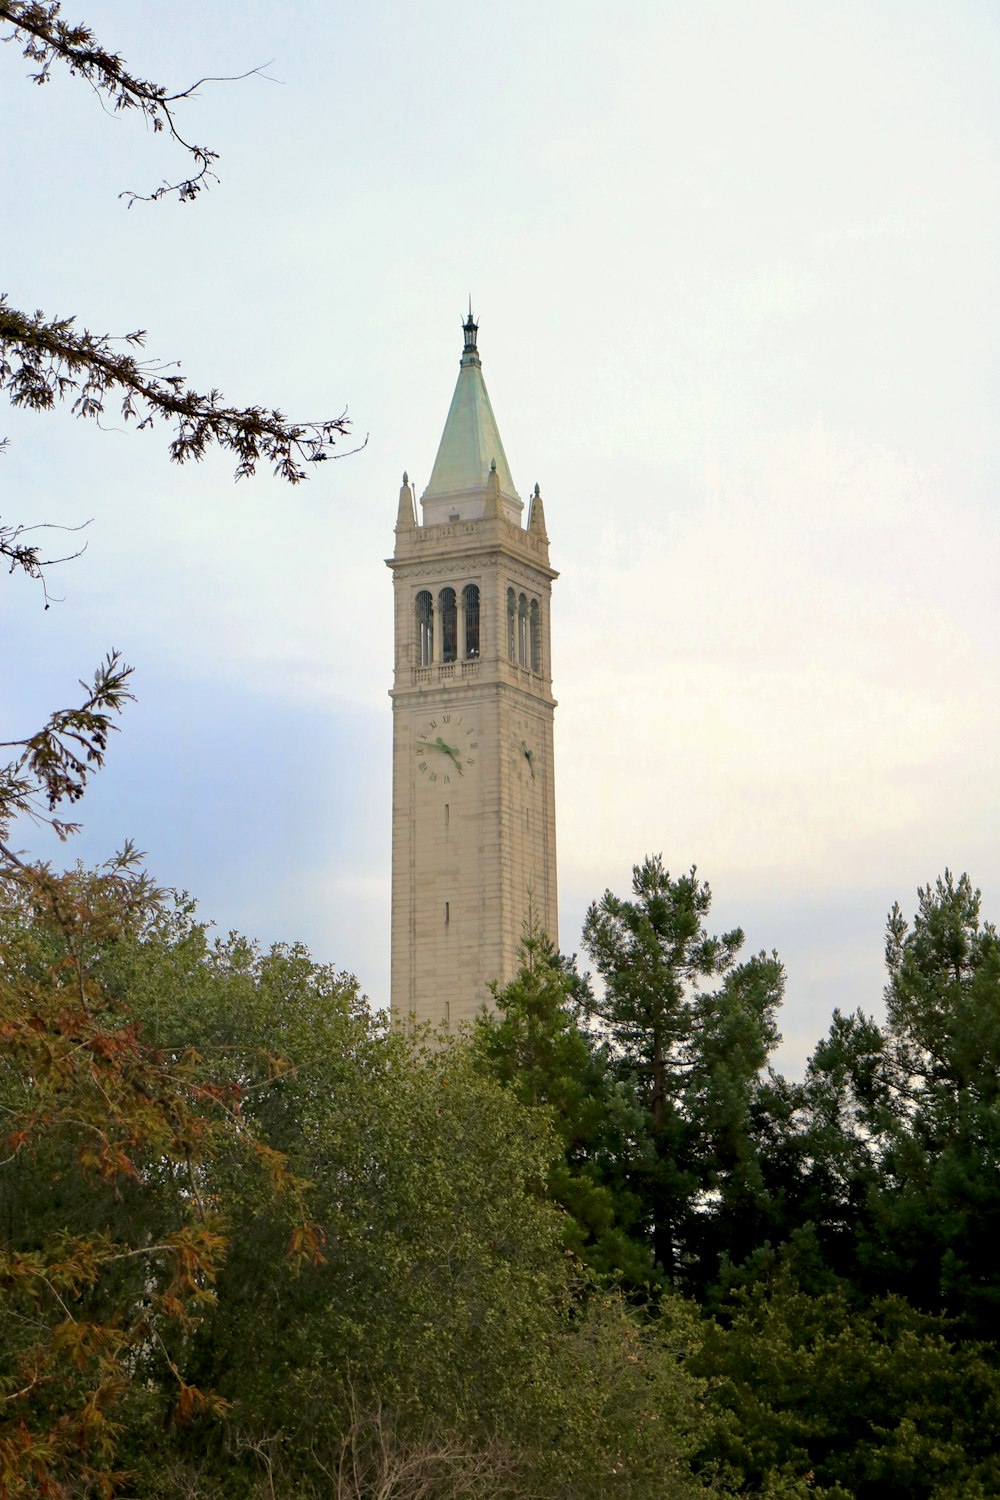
{"points": [[473, 792]]}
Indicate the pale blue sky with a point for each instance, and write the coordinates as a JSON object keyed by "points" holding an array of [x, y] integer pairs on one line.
{"points": [[735, 269]]}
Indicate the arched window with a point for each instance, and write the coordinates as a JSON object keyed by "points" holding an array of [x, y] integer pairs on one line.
{"points": [[425, 628], [535, 626], [522, 631], [448, 610], [470, 598], [511, 626]]}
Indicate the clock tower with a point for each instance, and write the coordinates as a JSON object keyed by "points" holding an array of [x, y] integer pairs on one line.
{"points": [[473, 796]]}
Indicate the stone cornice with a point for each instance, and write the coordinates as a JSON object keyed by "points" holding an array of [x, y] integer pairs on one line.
{"points": [[457, 537], [466, 569], [422, 683]]}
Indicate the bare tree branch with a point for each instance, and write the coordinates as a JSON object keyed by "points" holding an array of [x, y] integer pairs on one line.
{"points": [[44, 360], [56, 762], [48, 39], [25, 555]]}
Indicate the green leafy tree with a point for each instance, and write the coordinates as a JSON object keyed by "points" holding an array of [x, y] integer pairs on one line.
{"points": [[694, 1056]]}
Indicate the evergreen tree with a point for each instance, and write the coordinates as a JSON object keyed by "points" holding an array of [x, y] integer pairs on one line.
{"points": [[894, 1150], [532, 1043], [694, 1057], [813, 1395], [938, 1209]]}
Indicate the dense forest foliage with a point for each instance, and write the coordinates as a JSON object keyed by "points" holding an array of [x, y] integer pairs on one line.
{"points": [[258, 1243]]}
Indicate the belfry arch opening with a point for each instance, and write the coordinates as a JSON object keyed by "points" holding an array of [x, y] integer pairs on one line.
{"points": [[470, 604], [425, 628], [448, 610], [522, 630]]}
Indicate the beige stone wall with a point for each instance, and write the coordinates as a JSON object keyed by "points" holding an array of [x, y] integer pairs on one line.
{"points": [[471, 849]]}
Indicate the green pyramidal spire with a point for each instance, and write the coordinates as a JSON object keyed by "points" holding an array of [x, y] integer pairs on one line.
{"points": [[469, 444]]}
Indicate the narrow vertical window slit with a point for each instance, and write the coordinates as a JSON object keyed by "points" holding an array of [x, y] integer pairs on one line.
{"points": [[425, 628], [470, 598], [448, 610]]}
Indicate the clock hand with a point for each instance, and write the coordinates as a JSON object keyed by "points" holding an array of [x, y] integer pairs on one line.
{"points": [[453, 753], [448, 750]]}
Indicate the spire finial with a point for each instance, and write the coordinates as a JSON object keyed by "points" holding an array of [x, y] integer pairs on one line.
{"points": [[470, 354]]}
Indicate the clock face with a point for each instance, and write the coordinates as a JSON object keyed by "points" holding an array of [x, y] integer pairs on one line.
{"points": [[446, 748], [525, 757]]}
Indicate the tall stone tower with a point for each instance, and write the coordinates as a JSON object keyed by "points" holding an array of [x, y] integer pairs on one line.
{"points": [[473, 795]]}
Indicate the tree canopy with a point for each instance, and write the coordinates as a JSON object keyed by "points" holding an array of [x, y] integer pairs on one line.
{"points": [[258, 1242]]}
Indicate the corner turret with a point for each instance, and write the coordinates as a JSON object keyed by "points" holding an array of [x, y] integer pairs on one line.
{"points": [[536, 517], [405, 517], [492, 510]]}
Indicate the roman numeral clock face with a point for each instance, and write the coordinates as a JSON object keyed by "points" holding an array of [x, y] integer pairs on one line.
{"points": [[447, 749]]}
